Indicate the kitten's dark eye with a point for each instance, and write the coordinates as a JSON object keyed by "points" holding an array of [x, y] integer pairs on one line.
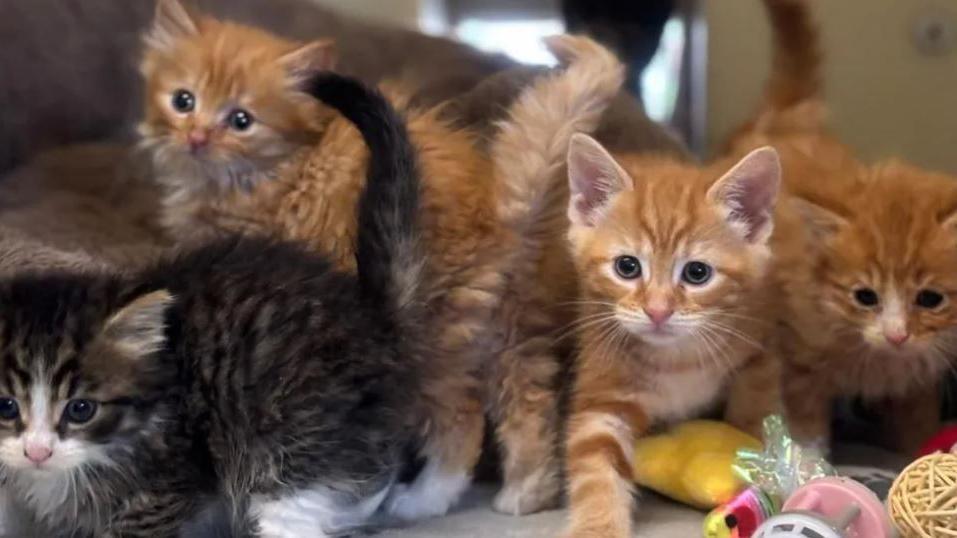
{"points": [[183, 101], [696, 273], [628, 267], [80, 411], [240, 120], [929, 299], [866, 297], [9, 410]]}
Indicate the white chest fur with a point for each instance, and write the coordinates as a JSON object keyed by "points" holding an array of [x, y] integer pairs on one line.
{"points": [[677, 395]]}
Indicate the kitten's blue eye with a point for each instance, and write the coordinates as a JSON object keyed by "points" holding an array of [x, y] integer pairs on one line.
{"points": [[80, 411], [240, 119], [628, 267], [183, 101], [9, 410], [866, 297], [929, 299], [697, 273]]}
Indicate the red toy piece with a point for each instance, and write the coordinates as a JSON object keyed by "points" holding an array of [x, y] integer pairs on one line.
{"points": [[943, 441]]}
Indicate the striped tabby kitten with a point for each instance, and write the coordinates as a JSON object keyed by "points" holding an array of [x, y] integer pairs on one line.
{"points": [[865, 256], [672, 262], [479, 220], [246, 378]]}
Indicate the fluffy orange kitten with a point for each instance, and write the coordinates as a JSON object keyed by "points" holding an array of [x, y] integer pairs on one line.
{"points": [[865, 257], [672, 262], [298, 180], [213, 131]]}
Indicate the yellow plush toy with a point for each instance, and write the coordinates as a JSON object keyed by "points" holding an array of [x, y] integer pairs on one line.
{"points": [[692, 462]]}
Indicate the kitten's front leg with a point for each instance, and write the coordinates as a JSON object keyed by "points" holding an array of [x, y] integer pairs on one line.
{"points": [[601, 439], [808, 398], [754, 393], [910, 420]]}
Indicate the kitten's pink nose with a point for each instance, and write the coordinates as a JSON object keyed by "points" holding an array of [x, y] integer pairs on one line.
{"points": [[198, 139], [897, 337], [658, 315], [37, 453]]}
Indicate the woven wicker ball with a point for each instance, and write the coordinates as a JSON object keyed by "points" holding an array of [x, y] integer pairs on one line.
{"points": [[923, 499]]}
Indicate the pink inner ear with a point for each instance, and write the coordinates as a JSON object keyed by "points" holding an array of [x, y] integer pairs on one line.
{"points": [[751, 188], [590, 186], [593, 178]]}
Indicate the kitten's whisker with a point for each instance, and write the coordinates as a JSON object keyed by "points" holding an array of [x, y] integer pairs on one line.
{"points": [[578, 328], [737, 333]]}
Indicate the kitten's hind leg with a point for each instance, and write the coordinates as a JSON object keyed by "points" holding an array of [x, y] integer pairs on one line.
{"points": [[526, 411]]}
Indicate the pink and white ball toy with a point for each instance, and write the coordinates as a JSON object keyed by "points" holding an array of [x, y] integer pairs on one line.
{"points": [[829, 507]]}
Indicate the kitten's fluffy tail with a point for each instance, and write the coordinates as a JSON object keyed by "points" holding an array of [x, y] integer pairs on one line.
{"points": [[796, 67], [530, 148], [388, 257], [793, 100]]}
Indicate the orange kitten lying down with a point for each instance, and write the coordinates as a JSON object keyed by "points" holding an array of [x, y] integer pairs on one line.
{"points": [[672, 262]]}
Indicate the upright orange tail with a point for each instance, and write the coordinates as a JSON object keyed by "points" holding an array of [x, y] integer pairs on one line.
{"points": [[793, 101], [796, 67]]}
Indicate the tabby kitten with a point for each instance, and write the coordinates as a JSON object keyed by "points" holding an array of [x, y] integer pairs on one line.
{"points": [[865, 256], [672, 262], [480, 222], [247, 373]]}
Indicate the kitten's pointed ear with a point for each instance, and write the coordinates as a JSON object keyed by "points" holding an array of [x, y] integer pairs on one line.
{"points": [[320, 55], [172, 21], [594, 177], [139, 328], [746, 194]]}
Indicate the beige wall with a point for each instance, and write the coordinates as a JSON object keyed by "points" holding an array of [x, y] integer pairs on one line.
{"points": [[398, 12], [886, 98]]}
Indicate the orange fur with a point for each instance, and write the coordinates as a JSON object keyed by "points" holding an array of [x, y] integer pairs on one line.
{"points": [[633, 372], [477, 219], [847, 225]]}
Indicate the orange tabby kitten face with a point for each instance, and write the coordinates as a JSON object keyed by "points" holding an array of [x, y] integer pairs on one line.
{"points": [[222, 103], [888, 270], [672, 251]]}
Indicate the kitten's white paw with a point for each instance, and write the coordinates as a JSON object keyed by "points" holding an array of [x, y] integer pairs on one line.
{"points": [[316, 513], [536, 492], [431, 494]]}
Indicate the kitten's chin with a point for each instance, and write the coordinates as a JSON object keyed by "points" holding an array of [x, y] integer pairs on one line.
{"points": [[669, 336]]}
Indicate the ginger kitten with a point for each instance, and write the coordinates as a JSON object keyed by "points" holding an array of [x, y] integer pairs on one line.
{"points": [[672, 261], [479, 221], [864, 258]]}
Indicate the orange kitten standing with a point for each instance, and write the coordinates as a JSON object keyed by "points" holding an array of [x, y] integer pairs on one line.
{"points": [[865, 257], [224, 122], [672, 262]]}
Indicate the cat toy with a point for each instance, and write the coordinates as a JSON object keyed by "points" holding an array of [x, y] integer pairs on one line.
{"points": [[692, 462], [923, 500], [741, 516], [829, 507], [773, 473], [944, 441]]}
